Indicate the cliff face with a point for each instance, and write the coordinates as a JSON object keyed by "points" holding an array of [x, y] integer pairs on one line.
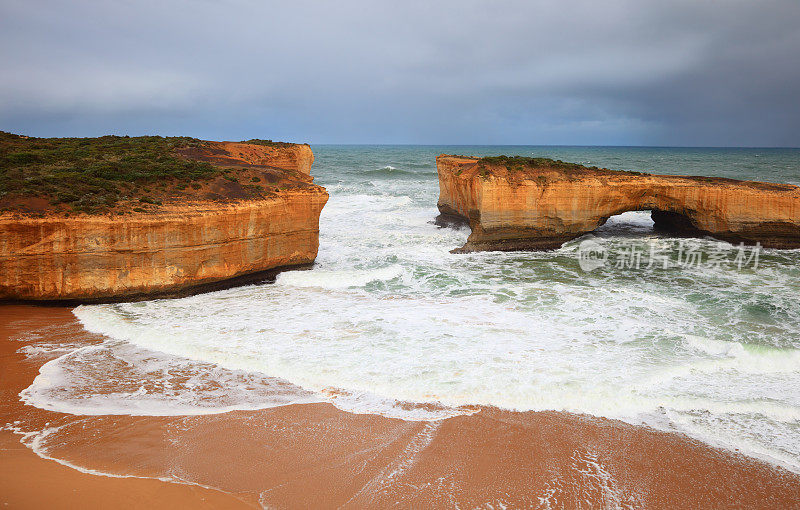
{"points": [[525, 207], [285, 156], [218, 231]]}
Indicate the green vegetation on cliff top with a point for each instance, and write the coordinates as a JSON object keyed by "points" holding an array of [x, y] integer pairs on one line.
{"points": [[92, 174], [519, 163], [268, 143], [95, 175]]}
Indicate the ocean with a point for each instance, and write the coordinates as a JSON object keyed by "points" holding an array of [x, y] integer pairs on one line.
{"points": [[390, 322]]}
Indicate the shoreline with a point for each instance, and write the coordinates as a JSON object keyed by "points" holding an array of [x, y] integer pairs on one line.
{"points": [[23, 472], [315, 455]]}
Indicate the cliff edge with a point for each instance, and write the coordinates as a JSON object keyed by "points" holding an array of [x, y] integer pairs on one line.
{"points": [[515, 203], [118, 218]]}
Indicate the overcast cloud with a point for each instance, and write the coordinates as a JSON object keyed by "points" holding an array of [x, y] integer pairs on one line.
{"points": [[619, 72]]}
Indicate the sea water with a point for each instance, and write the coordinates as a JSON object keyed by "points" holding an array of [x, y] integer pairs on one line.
{"points": [[388, 321]]}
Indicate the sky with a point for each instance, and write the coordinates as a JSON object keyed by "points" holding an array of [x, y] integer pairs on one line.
{"points": [[573, 72]]}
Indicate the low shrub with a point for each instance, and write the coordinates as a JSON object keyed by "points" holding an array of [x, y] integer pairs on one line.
{"points": [[91, 174]]}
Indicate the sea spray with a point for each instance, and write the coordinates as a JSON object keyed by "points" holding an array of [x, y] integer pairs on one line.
{"points": [[390, 322]]}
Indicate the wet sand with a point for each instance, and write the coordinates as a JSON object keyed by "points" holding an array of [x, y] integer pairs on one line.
{"points": [[316, 456]]}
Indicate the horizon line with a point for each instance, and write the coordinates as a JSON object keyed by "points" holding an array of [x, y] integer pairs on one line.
{"points": [[563, 145], [631, 146]]}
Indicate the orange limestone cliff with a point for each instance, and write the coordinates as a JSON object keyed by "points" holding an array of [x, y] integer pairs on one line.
{"points": [[288, 156], [514, 203], [248, 210]]}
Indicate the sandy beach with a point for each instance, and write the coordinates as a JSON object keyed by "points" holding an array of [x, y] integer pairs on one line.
{"points": [[314, 455], [416, 255]]}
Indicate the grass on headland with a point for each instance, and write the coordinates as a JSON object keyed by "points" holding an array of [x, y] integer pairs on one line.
{"points": [[268, 143], [519, 163], [92, 174]]}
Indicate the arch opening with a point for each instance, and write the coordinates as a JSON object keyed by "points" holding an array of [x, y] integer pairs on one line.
{"points": [[671, 222], [641, 222]]}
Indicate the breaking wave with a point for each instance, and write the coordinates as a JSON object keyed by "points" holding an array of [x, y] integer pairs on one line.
{"points": [[390, 322]]}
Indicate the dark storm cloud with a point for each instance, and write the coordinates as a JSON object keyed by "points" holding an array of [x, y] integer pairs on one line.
{"points": [[578, 72]]}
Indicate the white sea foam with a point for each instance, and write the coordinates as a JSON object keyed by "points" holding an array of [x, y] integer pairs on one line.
{"points": [[714, 347], [46, 349], [120, 378], [37, 441], [339, 279], [744, 359], [389, 322]]}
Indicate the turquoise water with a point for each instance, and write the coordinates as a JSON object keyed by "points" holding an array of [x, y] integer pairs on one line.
{"points": [[388, 317], [771, 165]]}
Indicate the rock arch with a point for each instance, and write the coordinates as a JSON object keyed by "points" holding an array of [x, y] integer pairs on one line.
{"points": [[527, 203]]}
